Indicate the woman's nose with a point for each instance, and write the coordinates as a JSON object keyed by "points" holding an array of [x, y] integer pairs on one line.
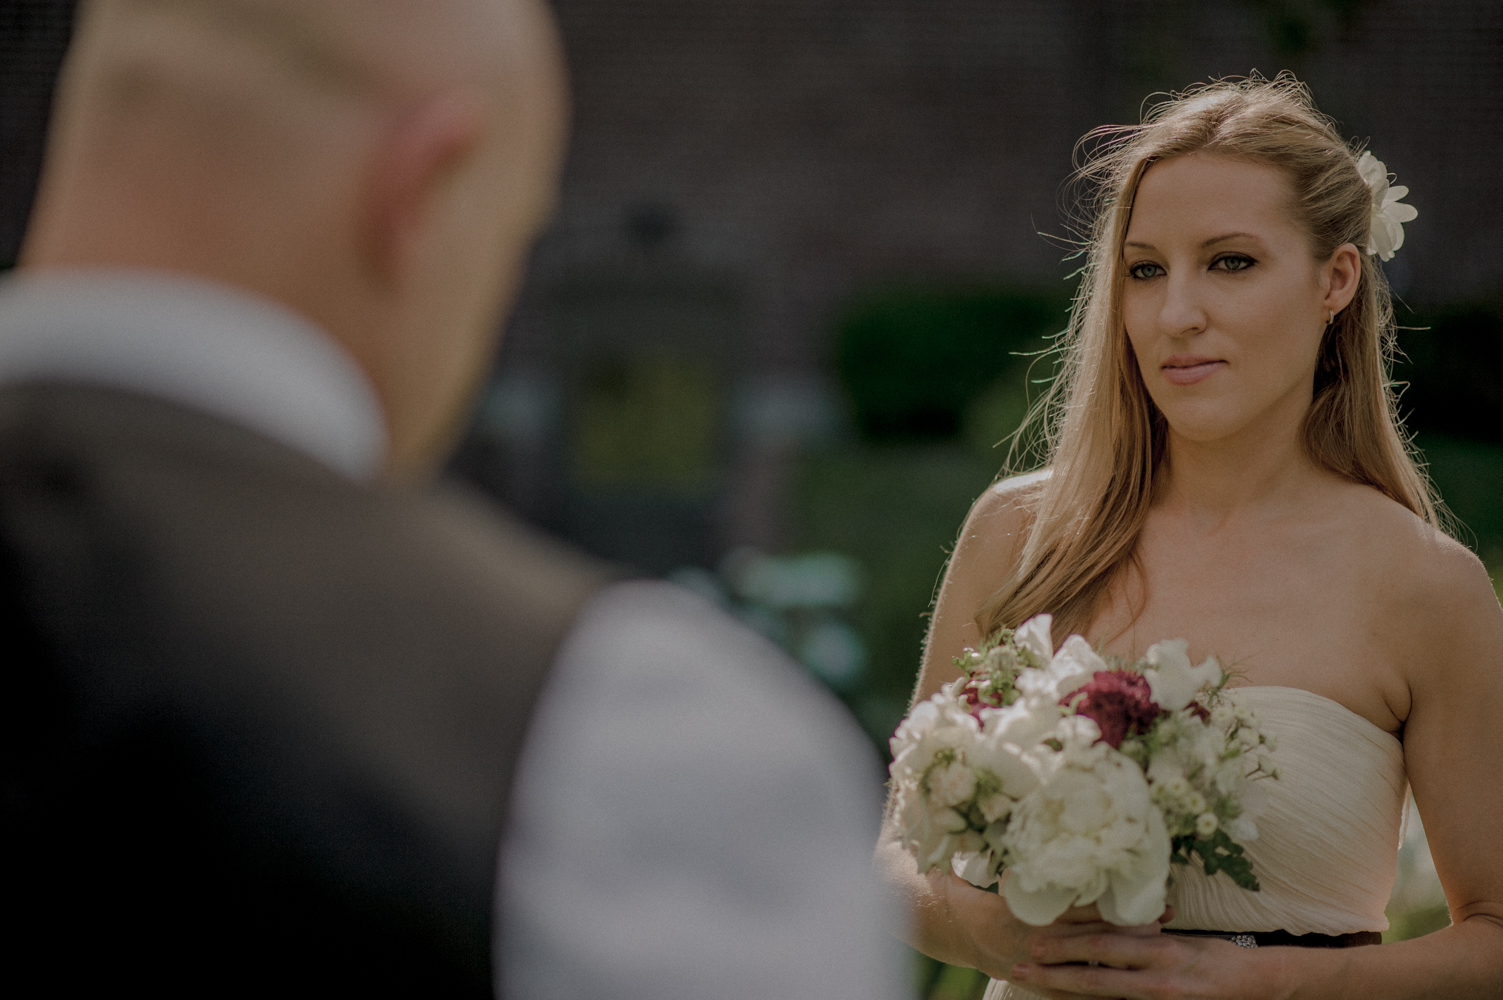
{"points": [[1183, 312]]}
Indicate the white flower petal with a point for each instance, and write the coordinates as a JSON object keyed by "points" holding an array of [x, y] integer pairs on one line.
{"points": [[1074, 666], [1374, 175], [1387, 231], [1034, 635], [1039, 907], [1135, 892]]}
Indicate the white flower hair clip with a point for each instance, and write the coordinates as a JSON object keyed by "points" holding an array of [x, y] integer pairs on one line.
{"points": [[1387, 230]]}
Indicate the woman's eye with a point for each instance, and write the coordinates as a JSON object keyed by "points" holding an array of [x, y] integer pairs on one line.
{"points": [[1233, 262], [1145, 270]]}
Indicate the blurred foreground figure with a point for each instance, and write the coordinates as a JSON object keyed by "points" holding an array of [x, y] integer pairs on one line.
{"points": [[273, 706]]}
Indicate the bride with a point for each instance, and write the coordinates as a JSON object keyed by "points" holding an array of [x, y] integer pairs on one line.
{"points": [[1226, 465]]}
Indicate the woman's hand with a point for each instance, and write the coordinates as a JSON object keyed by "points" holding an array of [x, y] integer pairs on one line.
{"points": [[1142, 967], [996, 942]]}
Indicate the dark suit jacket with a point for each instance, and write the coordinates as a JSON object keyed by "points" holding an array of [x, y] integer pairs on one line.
{"points": [[261, 721]]}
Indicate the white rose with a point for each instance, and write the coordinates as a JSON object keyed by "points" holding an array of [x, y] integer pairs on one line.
{"points": [[1205, 824], [1172, 680]]}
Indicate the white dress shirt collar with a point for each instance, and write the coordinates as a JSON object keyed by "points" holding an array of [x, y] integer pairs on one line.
{"points": [[224, 352]]}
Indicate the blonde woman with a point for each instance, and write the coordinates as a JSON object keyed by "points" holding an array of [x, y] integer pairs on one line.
{"points": [[1225, 465]]}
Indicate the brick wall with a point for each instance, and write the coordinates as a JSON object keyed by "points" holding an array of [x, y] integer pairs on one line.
{"points": [[813, 146]]}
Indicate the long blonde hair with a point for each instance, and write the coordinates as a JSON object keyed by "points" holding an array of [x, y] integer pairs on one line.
{"points": [[1098, 430]]}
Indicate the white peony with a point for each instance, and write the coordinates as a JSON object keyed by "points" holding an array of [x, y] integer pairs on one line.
{"points": [[1387, 232], [1087, 834], [1172, 680]]}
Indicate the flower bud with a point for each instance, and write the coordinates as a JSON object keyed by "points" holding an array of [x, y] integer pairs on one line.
{"points": [[995, 807], [952, 784], [1205, 824]]}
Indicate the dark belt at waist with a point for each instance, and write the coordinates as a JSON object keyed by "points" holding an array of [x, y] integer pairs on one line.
{"points": [[1280, 939]]}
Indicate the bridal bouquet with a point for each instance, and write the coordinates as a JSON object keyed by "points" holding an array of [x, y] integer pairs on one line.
{"points": [[1084, 779]]}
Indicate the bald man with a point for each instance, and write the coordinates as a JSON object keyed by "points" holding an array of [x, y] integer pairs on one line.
{"points": [[277, 707]]}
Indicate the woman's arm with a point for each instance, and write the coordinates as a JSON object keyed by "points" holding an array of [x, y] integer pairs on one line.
{"points": [[952, 920], [1452, 651]]}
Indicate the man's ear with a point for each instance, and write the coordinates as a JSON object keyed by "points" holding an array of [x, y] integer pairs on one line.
{"points": [[416, 156], [1342, 273]]}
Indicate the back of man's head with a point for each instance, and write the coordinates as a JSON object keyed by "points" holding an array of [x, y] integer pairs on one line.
{"points": [[379, 165]]}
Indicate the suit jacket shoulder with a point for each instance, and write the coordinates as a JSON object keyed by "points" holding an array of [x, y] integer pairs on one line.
{"points": [[268, 700]]}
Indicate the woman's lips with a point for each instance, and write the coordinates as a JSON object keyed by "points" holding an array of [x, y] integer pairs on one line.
{"points": [[1186, 370]]}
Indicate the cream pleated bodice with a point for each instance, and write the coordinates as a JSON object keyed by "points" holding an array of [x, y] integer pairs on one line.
{"points": [[1327, 849]]}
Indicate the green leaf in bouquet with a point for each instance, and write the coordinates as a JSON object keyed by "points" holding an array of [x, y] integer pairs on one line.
{"points": [[1219, 853]]}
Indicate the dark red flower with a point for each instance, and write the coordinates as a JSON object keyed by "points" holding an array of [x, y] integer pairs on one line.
{"points": [[1119, 702], [975, 695]]}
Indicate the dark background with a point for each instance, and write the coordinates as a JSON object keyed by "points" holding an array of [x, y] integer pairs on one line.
{"points": [[805, 247]]}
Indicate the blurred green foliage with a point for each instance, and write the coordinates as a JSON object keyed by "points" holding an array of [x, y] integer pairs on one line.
{"points": [[896, 509], [913, 358], [1406, 924]]}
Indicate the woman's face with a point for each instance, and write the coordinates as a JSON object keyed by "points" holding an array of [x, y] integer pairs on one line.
{"points": [[1223, 301]]}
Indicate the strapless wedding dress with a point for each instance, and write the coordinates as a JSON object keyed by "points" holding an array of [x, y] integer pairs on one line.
{"points": [[1327, 850]]}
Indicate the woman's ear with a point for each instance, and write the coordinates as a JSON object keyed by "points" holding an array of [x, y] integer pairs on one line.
{"points": [[1339, 277], [422, 146]]}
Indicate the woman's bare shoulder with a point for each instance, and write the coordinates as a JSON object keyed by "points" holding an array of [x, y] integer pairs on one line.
{"points": [[985, 553], [1000, 517], [991, 540], [1428, 585]]}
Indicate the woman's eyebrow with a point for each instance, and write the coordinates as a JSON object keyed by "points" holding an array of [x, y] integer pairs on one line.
{"points": [[1207, 243], [1229, 236]]}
